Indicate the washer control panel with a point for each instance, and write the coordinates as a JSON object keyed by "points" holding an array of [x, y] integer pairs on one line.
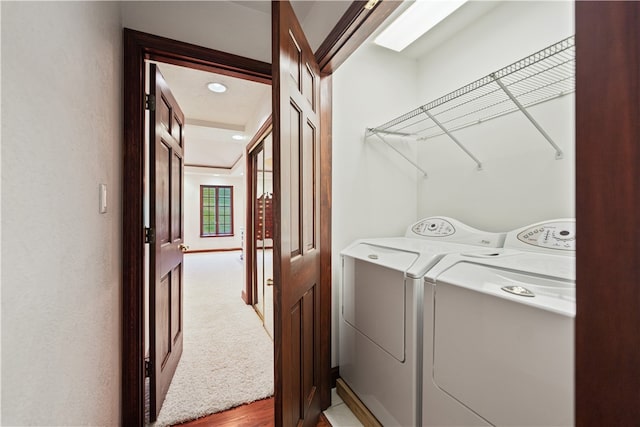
{"points": [[447, 229], [433, 227], [557, 235]]}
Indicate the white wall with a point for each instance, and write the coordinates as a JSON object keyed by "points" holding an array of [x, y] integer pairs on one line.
{"points": [[195, 177], [61, 268], [240, 27], [374, 191], [224, 26], [318, 14], [521, 182]]}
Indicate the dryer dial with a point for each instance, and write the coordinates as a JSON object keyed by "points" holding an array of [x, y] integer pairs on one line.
{"points": [[433, 227]]}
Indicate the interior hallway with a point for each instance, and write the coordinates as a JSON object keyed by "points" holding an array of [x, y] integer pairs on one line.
{"points": [[228, 356]]}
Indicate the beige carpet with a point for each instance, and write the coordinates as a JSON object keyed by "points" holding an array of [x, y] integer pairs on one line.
{"points": [[227, 358]]}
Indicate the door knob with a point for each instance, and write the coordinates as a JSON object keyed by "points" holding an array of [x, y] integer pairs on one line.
{"points": [[183, 247]]}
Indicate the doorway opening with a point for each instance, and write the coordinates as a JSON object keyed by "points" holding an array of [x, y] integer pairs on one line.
{"points": [[356, 24], [139, 48], [226, 355]]}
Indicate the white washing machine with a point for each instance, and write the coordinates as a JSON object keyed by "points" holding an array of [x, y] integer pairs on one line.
{"points": [[499, 332], [380, 329]]}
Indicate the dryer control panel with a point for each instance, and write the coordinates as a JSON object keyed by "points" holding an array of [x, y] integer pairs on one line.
{"points": [[433, 227], [451, 230], [554, 235]]}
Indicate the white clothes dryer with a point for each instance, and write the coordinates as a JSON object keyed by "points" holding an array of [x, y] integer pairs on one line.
{"points": [[499, 332], [380, 330]]}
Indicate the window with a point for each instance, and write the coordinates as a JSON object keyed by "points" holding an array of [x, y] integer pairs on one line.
{"points": [[216, 210]]}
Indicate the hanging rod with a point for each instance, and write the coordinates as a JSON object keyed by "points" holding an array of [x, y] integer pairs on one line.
{"points": [[402, 154]]}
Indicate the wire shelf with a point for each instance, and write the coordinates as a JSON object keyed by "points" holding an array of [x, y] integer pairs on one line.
{"points": [[543, 76]]}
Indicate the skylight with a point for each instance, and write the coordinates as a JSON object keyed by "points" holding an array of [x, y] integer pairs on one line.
{"points": [[419, 18]]}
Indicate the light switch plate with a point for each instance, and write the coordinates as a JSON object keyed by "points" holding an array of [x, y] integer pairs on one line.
{"points": [[103, 198]]}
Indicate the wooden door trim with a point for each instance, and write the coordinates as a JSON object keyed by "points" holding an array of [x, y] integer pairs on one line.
{"points": [[174, 52], [355, 26], [138, 47], [326, 141]]}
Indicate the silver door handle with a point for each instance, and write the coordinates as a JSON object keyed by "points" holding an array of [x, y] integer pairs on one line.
{"points": [[183, 247]]}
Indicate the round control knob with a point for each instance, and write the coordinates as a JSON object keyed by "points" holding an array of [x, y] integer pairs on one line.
{"points": [[433, 226], [565, 233]]}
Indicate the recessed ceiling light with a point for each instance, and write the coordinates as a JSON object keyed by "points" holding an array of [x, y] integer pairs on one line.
{"points": [[238, 137], [217, 87], [419, 18]]}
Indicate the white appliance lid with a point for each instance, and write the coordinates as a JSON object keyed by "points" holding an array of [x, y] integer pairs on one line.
{"points": [[414, 257], [391, 257], [558, 296]]}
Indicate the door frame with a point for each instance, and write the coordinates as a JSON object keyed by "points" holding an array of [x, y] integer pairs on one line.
{"points": [[357, 23], [248, 290], [139, 47]]}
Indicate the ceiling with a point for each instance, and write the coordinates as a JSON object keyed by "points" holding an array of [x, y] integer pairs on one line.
{"points": [[212, 119]]}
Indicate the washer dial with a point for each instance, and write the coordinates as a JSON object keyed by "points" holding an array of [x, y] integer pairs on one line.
{"points": [[559, 235]]}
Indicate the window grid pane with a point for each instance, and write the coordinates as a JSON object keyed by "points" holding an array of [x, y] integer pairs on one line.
{"points": [[216, 210]]}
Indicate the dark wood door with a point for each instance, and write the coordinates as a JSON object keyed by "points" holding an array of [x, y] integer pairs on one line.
{"points": [[608, 206], [166, 147], [296, 137]]}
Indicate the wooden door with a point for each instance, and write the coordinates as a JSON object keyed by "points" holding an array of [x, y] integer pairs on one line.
{"points": [[608, 206], [166, 147], [296, 136]]}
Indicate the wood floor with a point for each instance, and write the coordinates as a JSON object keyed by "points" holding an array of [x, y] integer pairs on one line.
{"points": [[256, 414]]}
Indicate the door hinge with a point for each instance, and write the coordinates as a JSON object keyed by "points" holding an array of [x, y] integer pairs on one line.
{"points": [[149, 235], [147, 368], [150, 102]]}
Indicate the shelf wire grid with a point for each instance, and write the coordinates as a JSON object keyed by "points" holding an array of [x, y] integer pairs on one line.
{"points": [[540, 77]]}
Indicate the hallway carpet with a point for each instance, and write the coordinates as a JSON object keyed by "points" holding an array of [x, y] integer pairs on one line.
{"points": [[228, 356]]}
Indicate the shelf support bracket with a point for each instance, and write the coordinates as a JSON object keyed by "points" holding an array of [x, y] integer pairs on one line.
{"points": [[402, 154], [453, 138], [559, 154], [373, 131]]}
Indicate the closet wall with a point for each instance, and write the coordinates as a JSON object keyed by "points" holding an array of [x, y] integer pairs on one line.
{"points": [[521, 181], [377, 193], [374, 190]]}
